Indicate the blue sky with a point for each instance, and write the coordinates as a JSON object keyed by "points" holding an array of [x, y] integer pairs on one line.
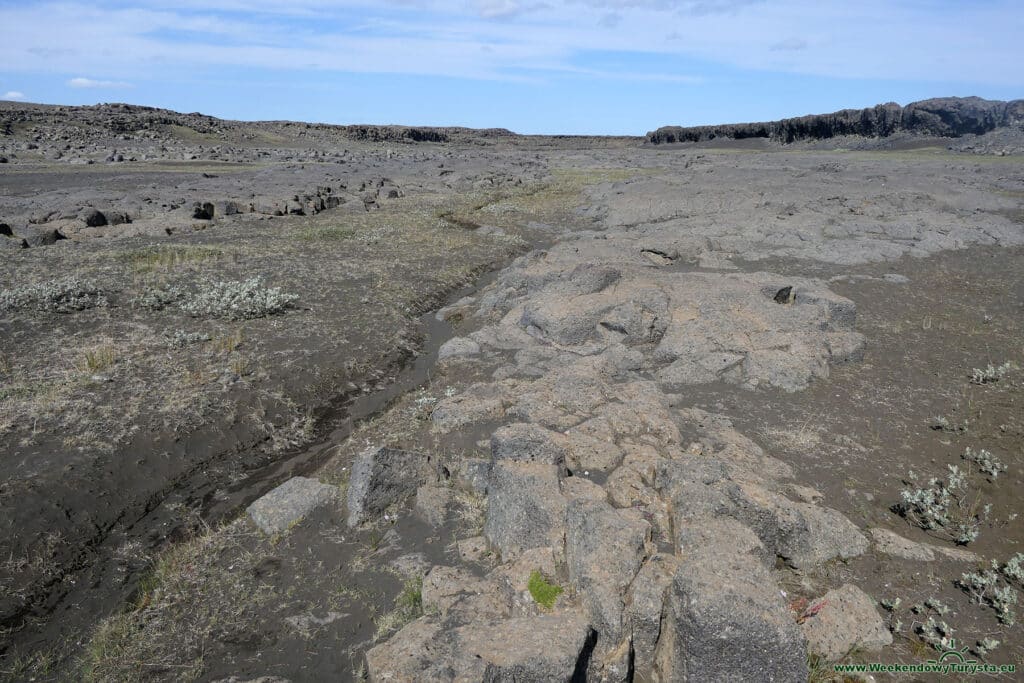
{"points": [[534, 66]]}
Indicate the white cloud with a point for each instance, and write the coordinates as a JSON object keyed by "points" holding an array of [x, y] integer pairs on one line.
{"points": [[514, 39], [15, 95], [92, 83]]}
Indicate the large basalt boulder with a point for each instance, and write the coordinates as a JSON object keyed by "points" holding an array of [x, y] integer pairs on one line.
{"points": [[803, 534], [93, 218], [538, 649], [478, 403], [12, 243], [847, 620], [286, 505], [701, 489], [382, 477], [725, 620], [644, 608], [525, 507], [526, 442], [39, 235], [459, 346], [604, 549]]}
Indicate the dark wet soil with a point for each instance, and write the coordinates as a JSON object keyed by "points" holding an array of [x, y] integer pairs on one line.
{"points": [[81, 524]]}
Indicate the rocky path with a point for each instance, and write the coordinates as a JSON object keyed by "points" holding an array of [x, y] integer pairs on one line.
{"points": [[665, 520], [669, 528]]}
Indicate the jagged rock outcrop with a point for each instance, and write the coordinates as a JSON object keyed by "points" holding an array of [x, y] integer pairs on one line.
{"points": [[668, 559], [944, 117]]}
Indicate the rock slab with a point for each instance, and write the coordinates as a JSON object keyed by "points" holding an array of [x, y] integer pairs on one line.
{"points": [[289, 503], [847, 620], [382, 477]]}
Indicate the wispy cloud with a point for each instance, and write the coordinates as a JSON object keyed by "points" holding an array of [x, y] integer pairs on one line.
{"points": [[15, 95], [789, 45], [92, 83], [513, 39]]}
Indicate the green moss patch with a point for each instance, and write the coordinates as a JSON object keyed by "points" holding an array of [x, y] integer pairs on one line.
{"points": [[544, 593]]}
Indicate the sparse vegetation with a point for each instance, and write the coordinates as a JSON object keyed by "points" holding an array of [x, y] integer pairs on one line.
{"points": [[191, 598], [64, 295], [984, 646], [159, 298], [936, 633], [543, 592], [237, 300], [1014, 568], [891, 606], [98, 359], [942, 424], [946, 505], [986, 462], [408, 606], [181, 339], [227, 343], [984, 587], [327, 233], [990, 373], [166, 257]]}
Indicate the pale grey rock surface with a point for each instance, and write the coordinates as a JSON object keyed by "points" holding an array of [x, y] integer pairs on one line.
{"points": [[286, 505], [458, 347], [525, 507], [847, 620]]}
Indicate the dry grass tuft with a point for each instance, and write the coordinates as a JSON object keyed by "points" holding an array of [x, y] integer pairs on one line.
{"points": [[97, 359]]}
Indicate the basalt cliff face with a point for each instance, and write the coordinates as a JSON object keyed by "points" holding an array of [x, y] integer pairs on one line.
{"points": [[943, 117]]}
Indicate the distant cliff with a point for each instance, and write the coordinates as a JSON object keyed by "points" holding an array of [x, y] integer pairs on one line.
{"points": [[944, 117]]}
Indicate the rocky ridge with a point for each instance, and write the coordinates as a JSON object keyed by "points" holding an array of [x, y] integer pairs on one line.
{"points": [[941, 117], [666, 524], [664, 520]]}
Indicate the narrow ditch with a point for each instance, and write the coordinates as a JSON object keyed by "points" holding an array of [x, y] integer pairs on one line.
{"points": [[98, 582], [346, 415]]}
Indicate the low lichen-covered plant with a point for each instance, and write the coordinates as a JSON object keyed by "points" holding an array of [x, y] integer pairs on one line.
{"points": [[942, 424], [991, 373], [1014, 568], [986, 462], [940, 607], [543, 592], [181, 338], [984, 587], [891, 606], [936, 633], [1003, 600], [159, 298], [984, 646], [54, 296], [944, 505], [237, 300]]}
